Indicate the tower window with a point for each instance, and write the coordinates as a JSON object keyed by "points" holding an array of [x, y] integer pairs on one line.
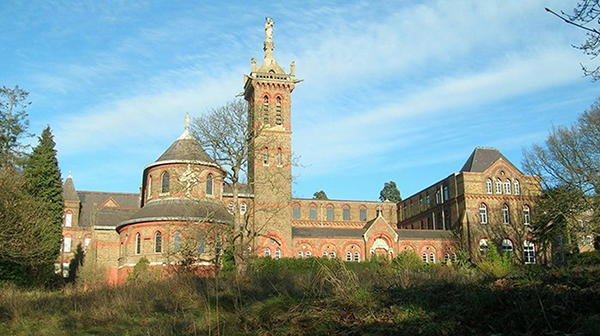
{"points": [[68, 219], [149, 187], [138, 243], [279, 158], [265, 110], [266, 156], [165, 182], [209, 185], [278, 118]]}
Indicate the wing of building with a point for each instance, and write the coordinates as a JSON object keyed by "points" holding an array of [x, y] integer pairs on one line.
{"points": [[184, 204]]}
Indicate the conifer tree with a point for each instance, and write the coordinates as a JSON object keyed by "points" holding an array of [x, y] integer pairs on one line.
{"points": [[44, 184]]}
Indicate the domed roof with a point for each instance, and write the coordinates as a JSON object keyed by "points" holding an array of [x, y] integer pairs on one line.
{"points": [[181, 210]]}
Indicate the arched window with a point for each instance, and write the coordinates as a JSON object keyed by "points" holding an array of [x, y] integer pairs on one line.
{"points": [[279, 158], [265, 110], [526, 215], [209, 184], [432, 257], [138, 243], [157, 242], [325, 254], [149, 187], [300, 254], [296, 212], [348, 256], [313, 212], [424, 257], [308, 254], [517, 188], [356, 256], [230, 206], [346, 213], [505, 214], [268, 252], [498, 186], [177, 241], [165, 182], [454, 257], [201, 243], [86, 243], [446, 257], [243, 208], [488, 185], [266, 156], [277, 253], [68, 219], [278, 118], [507, 245], [329, 214], [332, 255], [483, 245], [528, 252], [363, 214], [483, 217], [507, 187]]}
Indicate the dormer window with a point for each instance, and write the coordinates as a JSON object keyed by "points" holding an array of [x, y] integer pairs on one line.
{"points": [[209, 184], [165, 182]]}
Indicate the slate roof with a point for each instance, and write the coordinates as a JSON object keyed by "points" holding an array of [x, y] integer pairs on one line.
{"points": [[424, 234], [185, 148], [482, 158], [181, 209], [327, 232], [91, 201], [69, 193]]}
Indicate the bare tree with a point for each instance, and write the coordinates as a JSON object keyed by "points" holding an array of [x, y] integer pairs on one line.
{"points": [[586, 16], [569, 165]]}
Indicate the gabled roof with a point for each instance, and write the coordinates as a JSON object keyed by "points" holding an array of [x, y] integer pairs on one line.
{"points": [[69, 192], [325, 232], [244, 189], [92, 214], [482, 158]]}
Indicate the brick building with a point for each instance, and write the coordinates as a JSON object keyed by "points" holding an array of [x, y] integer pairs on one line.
{"points": [[184, 202]]}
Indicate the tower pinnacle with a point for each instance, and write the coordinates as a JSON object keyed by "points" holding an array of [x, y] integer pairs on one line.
{"points": [[268, 48]]}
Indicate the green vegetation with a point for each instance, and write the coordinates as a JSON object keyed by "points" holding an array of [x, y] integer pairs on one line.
{"points": [[320, 297], [390, 192]]}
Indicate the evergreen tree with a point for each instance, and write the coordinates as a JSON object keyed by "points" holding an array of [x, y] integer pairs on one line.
{"points": [[390, 192], [44, 183]]}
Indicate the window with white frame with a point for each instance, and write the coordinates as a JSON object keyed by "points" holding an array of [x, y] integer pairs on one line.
{"points": [[526, 215], [325, 254], [300, 254], [65, 270], [498, 186], [277, 253], [488, 185], [68, 219], [230, 206], [446, 193], [348, 256], [279, 158], [424, 257], [507, 245], [332, 255], [454, 259], [268, 252], [308, 255], [432, 258], [505, 214], [86, 243], [483, 217], [149, 187], [507, 187], [446, 257], [517, 187], [356, 256], [243, 208], [483, 245], [67, 244], [528, 252]]}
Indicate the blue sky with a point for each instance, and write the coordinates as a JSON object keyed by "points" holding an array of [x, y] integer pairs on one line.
{"points": [[395, 90]]}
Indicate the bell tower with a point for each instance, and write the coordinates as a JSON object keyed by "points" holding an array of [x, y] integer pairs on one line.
{"points": [[268, 90]]}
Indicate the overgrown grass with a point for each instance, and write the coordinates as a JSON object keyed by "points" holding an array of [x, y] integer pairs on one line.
{"points": [[320, 297]]}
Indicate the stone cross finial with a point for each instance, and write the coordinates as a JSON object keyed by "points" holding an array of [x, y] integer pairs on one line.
{"points": [[187, 121], [70, 175], [293, 69], [253, 63]]}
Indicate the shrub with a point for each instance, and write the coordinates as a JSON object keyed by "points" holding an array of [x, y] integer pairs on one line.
{"points": [[496, 265], [142, 272], [586, 258], [407, 260]]}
